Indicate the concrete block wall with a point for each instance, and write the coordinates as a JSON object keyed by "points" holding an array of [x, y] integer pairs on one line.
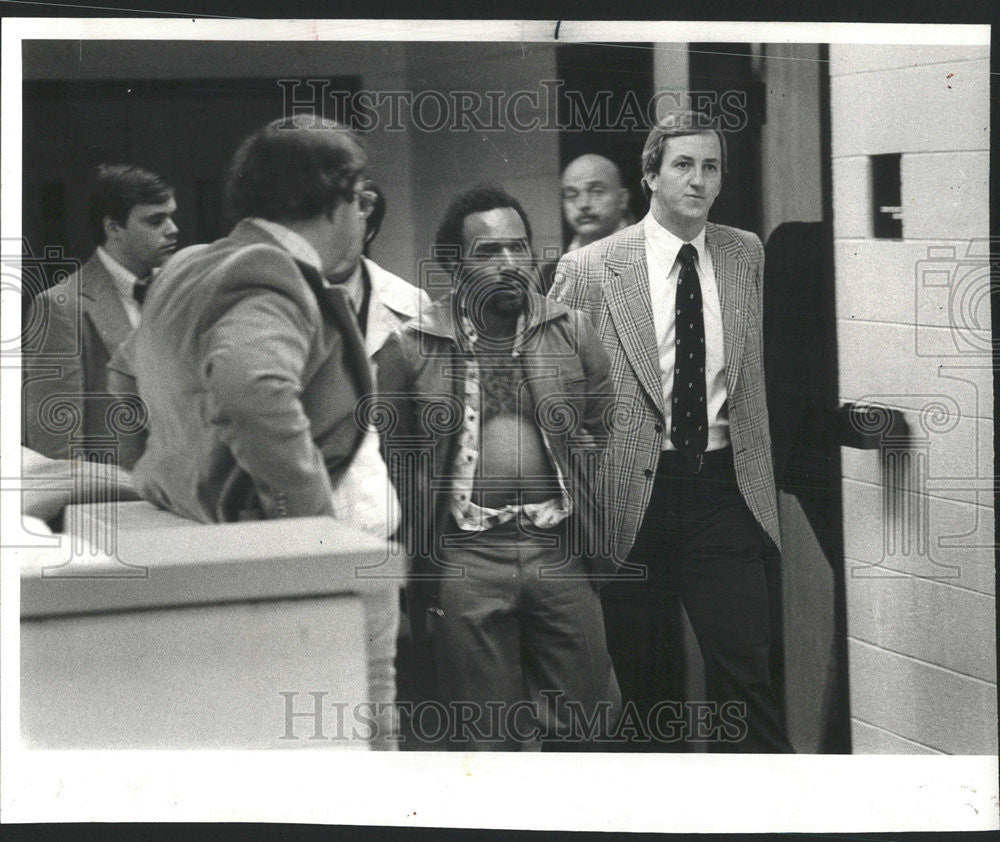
{"points": [[913, 327]]}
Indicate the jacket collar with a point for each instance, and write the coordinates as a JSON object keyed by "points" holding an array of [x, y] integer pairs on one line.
{"points": [[103, 303], [631, 241], [627, 294], [393, 302], [291, 241]]}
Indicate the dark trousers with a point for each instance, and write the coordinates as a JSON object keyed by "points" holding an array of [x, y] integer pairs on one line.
{"points": [[700, 542], [519, 644]]}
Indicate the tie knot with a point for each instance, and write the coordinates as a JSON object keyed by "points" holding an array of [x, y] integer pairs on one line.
{"points": [[140, 288], [687, 254]]}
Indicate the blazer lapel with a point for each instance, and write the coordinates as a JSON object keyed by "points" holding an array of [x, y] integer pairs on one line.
{"points": [[102, 304], [732, 276], [627, 294], [334, 305]]}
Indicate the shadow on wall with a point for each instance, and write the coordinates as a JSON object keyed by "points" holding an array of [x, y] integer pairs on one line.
{"points": [[808, 590]]}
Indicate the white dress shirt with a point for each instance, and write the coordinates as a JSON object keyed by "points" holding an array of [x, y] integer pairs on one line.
{"points": [[124, 282], [662, 248]]}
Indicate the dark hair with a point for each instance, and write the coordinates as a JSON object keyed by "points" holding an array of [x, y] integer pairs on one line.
{"points": [[116, 189], [676, 124], [374, 221], [293, 169], [483, 197]]}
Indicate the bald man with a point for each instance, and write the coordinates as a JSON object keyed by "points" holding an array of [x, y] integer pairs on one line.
{"points": [[594, 201]]}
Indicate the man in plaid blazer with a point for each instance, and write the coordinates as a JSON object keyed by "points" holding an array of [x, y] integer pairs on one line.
{"points": [[687, 480]]}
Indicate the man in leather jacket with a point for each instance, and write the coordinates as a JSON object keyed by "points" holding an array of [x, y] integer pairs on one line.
{"points": [[495, 406]]}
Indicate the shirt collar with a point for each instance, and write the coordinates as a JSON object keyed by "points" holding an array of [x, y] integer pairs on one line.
{"points": [[122, 278], [668, 244], [295, 244]]}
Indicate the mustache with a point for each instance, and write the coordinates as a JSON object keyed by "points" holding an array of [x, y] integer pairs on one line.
{"points": [[515, 273]]}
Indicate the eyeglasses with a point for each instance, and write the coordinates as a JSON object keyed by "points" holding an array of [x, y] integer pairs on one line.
{"points": [[367, 199]]}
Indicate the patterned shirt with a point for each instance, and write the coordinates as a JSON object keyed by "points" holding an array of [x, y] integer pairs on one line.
{"points": [[470, 516]]}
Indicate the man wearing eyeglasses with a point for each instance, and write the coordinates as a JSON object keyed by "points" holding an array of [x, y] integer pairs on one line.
{"points": [[381, 300], [249, 367]]}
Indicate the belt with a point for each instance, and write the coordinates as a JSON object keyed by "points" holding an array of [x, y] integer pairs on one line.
{"points": [[691, 464]]}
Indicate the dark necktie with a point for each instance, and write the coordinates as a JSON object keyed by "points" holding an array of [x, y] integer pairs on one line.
{"points": [[689, 413], [140, 288]]}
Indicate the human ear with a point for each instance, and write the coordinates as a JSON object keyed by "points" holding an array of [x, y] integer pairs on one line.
{"points": [[110, 226]]}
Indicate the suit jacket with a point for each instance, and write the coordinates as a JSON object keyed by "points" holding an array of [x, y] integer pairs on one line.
{"points": [[71, 331], [609, 281], [393, 303], [250, 372]]}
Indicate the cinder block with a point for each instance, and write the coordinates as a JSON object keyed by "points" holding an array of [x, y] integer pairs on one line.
{"points": [[956, 546], [958, 460], [864, 58], [907, 282], [941, 709], [946, 195], [935, 622], [918, 109], [908, 364], [867, 739], [952, 287]]}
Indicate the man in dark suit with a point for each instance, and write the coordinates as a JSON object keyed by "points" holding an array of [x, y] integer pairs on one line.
{"points": [[688, 477], [76, 326]]}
